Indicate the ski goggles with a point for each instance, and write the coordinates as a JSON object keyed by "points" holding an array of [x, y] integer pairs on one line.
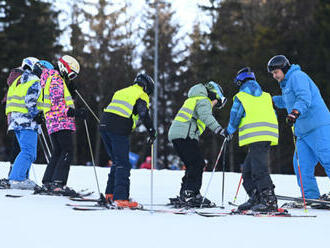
{"points": [[71, 74]]}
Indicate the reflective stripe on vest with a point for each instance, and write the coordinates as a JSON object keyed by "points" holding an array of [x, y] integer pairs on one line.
{"points": [[123, 102], [44, 101], [16, 96], [185, 113], [260, 122]]}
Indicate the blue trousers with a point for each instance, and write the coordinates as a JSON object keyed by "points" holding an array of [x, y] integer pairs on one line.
{"points": [[312, 148], [117, 147], [27, 140]]}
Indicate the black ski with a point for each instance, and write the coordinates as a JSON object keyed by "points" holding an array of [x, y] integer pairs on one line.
{"points": [[81, 195], [299, 199], [233, 204], [14, 196], [83, 199]]}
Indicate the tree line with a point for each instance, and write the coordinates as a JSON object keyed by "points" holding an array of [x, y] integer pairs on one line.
{"points": [[117, 45]]}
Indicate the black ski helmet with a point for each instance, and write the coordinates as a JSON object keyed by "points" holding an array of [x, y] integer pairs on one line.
{"points": [[146, 82], [278, 62], [244, 75]]}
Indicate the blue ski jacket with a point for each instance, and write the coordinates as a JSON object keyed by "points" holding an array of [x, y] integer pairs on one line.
{"points": [[237, 111], [300, 92]]}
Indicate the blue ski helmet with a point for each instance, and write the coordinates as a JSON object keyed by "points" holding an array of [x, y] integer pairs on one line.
{"points": [[46, 64]]}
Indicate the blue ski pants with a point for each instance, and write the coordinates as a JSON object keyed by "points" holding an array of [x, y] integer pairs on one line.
{"points": [[27, 140], [117, 147], [312, 148]]}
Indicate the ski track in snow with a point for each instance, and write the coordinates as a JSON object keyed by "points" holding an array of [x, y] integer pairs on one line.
{"points": [[45, 222]]}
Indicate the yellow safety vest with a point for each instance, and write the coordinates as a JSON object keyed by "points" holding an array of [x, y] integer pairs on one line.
{"points": [[186, 112], [260, 122], [44, 102], [16, 96], [123, 102]]}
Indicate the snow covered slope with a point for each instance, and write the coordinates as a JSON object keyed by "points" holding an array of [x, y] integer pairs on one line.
{"points": [[45, 221]]}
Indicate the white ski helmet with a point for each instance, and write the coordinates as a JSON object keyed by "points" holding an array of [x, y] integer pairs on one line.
{"points": [[68, 66], [29, 62]]}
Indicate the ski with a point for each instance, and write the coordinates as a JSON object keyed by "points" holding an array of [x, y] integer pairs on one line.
{"points": [[89, 208], [280, 213], [233, 204], [82, 195], [299, 199], [83, 199], [14, 196]]}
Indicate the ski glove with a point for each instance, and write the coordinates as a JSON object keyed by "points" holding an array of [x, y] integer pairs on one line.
{"points": [[292, 117], [39, 118], [79, 113], [72, 87], [152, 136], [225, 134]]}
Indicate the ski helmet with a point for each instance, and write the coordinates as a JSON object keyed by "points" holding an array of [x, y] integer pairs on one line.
{"points": [[215, 92], [244, 75], [146, 82], [28, 63], [68, 66], [278, 62], [46, 64]]}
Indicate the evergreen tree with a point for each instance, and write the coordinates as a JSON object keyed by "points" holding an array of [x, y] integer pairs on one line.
{"points": [[170, 61], [107, 60]]}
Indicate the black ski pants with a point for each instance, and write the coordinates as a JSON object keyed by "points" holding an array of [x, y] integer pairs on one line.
{"points": [[59, 165], [189, 152], [255, 170]]}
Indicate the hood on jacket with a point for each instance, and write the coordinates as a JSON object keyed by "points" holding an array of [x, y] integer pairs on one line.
{"points": [[251, 87], [197, 90], [288, 74], [28, 76]]}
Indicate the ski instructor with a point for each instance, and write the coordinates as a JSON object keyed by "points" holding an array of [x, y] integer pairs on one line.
{"points": [[310, 117]]}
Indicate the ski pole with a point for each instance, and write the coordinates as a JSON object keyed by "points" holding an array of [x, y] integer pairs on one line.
{"points": [[223, 173], [45, 142], [89, 108], [152, 179], [43, 149], [301, 183], [92, 156], [238, 187], [214, 167]]}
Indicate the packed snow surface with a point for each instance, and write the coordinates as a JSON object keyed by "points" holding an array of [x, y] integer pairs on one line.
{"points": [[45, 222]]}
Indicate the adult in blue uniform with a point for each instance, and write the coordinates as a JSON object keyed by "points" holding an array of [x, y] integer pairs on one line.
{"points": [[310, 117]]}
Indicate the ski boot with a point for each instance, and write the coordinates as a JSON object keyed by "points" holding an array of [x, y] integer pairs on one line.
{"points": [[4, 183], [267, 202], [45, 189], [26, 184], [63, 190], [195, 200], [253, 200], [324, 197]]}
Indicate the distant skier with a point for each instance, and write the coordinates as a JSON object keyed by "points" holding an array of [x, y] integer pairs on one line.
{"points": [[310, 117], [117, 122], [189, 123], [253, 115], [60, 113]]}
